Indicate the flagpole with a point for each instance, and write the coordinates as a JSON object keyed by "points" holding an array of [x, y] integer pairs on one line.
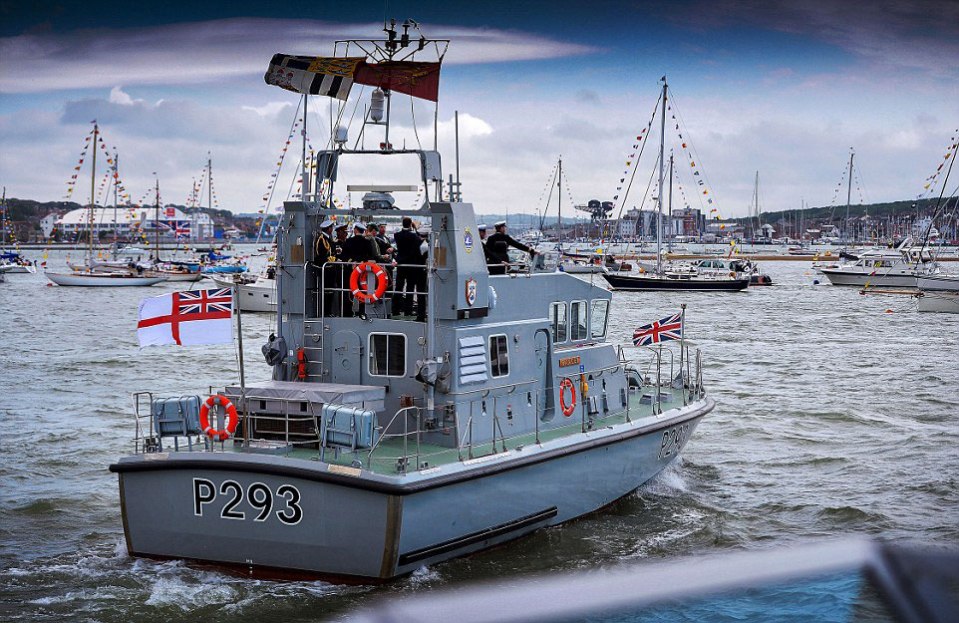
{"points": [[682, 337], [239, 339]]}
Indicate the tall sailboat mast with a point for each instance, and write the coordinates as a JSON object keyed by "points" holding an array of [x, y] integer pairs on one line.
{"points": [[659, 214], [93, 186], [209, 180], [845, 228], [156, 222], [559, 202], [116, 198], [759, 222]]}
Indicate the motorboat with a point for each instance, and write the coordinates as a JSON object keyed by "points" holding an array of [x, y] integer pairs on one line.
{"points": [[897, 267], [254, 294], [383, 443], [13, 262]]}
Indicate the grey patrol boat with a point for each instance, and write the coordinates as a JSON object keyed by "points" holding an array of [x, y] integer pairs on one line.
{"points": [[383, 443]]}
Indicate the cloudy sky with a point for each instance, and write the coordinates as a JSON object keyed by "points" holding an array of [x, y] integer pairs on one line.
{"points": [[782, 88]]}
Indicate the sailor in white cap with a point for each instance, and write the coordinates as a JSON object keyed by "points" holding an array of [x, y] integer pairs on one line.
{"points": [[323, 249], [497, 247]]}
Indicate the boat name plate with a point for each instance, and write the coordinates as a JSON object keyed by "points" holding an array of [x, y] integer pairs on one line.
{"points": [[569, 361]]}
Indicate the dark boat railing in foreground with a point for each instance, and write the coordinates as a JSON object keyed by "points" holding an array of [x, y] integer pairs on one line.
{"points": [[836, 580]]}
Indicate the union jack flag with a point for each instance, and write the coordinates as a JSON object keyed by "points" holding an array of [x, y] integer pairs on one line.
{"points": [[668, 328], [206, 302], [180, 229]]}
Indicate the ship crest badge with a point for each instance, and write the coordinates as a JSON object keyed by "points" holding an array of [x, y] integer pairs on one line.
{"points": [[470, 292], [468, 240]]}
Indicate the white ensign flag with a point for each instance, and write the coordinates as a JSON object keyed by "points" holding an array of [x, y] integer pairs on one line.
{"points": [[188, 318]]}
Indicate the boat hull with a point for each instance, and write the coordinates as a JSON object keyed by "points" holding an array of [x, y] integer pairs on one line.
{"points": [[637, 283], [355, 525], [101, 280], [840, 277], [942, 301], [948, 283], [175, 276]]}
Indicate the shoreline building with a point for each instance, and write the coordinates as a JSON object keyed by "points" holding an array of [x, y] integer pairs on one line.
{"points": [[127, 221]]}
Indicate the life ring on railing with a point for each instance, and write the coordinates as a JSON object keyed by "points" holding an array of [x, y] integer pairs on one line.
{"points": [[231, 418], [358, 282], [567, 408]]}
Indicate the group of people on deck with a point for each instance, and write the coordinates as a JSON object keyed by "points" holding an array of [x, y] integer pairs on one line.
{"points": [[370, 243], [407, 253]]}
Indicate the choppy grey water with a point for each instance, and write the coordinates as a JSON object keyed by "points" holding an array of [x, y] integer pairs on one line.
{"points": [[836, 414]]}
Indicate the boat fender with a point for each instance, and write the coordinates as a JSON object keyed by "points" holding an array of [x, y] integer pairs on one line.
{"points": [[358, 282], [567, 408], [300, 364], [229, 411]]}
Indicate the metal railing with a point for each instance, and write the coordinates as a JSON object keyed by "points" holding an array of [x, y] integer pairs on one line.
{"points": [[287, 426], [331, 296]]}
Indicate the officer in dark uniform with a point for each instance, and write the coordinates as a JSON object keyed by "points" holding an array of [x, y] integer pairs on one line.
{"points": [[498, 247], [383, 241], [356, 248], [410, 272]]}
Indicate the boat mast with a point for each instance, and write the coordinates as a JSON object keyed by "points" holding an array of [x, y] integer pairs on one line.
{"points": [[759, 222], [845, 227], [659, 214], [559, 202], [93, 185], [669, 242], [156, 223], [209, 180], [304, 180], [116, 201]]}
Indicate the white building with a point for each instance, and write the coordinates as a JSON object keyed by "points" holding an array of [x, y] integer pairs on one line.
{"points": [[172, 222]]}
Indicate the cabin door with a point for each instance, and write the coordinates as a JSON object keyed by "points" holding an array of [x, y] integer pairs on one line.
{"points": [[347, 358], [544, 376]]}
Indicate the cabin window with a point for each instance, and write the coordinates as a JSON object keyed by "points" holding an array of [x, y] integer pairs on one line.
{"points": [[557, 321], [598, 317], [387, 354], [577, 320], [498, 355]]}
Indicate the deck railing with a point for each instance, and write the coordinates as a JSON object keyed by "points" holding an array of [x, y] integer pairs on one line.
{"points": [[653, 375]]}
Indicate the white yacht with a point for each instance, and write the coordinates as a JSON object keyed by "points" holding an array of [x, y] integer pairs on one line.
{"points": [[896, 268], [254, 294]]}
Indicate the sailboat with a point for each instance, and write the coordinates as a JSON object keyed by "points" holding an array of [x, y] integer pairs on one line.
{"points": [[11, 261], [171, 270], [87, 275], [668, 277]]}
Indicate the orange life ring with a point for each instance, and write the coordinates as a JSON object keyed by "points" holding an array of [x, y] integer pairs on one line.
{"points": [[358, 282], [231, 418], [567, 408]]}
